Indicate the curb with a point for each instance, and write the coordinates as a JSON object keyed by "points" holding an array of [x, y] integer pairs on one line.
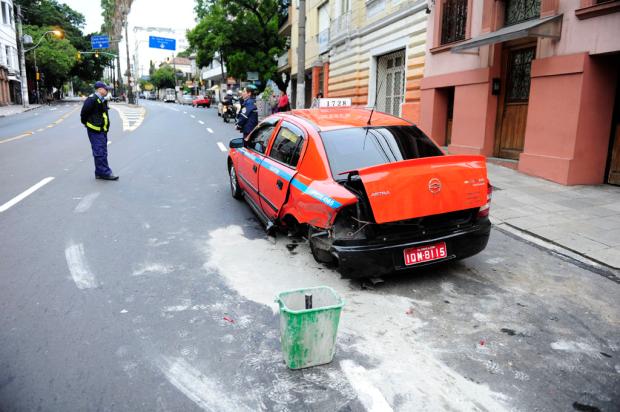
{"points": [[28, 109], [566, 254]]}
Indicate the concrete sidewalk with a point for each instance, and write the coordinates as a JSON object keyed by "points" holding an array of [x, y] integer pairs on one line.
{"points": [[583, 219], [16, 109]]}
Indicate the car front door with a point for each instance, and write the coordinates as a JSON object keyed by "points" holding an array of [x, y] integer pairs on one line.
{"points": [[252, 155], [279, 167]]}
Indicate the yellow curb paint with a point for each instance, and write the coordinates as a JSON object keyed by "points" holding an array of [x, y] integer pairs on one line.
{"points": [[21, 136]]}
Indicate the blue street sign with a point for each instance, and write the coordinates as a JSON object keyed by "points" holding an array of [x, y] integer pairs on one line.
{"points": [[100, 42], [162, 43]]}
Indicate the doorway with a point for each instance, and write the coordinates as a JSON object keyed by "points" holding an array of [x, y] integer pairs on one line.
{"points": [[449, 114], [613, 162], [513, 101]]}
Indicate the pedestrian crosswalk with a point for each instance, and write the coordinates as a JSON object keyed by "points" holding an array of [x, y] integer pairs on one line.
{"points": [[132, 116]]}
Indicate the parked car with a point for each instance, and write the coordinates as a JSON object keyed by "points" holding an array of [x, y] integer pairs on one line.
{"points": [[202, 101], [371, 191], [186, 99]]}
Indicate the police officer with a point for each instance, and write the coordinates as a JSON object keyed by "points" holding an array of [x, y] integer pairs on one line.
{"points": [[94, 116], [248, 118]]}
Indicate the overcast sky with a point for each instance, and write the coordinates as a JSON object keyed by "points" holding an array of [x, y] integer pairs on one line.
{"points": [[173, 14]]}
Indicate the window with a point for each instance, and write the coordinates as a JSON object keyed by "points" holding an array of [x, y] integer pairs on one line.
{"points": [[259, 139], [517, 11], [355, 148], [7, 53], [288, 144], [5, 17], [520, 64], [453, 20]]}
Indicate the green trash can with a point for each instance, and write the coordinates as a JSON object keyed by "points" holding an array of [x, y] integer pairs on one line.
{"points": [[308, 336]]}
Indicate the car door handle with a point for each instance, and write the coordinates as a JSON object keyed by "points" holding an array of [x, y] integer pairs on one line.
{"points": [[280, 184], [255, 168]]}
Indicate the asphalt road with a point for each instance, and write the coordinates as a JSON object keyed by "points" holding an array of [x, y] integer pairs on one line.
{"points": [[155, 293]]}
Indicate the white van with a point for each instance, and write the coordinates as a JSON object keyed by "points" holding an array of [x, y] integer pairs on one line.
{"points": [[169, 96]]}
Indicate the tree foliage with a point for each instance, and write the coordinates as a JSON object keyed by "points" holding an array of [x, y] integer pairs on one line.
{"points": [[244, 34], [55, 57], [163, 77]]}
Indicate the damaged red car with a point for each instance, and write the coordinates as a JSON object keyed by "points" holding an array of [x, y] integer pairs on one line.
{"points": [[371, 191]]}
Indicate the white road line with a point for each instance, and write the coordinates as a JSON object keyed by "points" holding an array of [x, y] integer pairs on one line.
{"points": [[86, 203], [76, 261], [209, 130], [369, 395], [25, 194], [222, 147], [40, 130], [192, 116], [201, 122], [184, 112]]}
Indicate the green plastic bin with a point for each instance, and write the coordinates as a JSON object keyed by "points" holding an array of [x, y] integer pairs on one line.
{"points": [[308, 336]]}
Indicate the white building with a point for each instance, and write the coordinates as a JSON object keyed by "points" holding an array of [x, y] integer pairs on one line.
{"points": [[10, 81]]}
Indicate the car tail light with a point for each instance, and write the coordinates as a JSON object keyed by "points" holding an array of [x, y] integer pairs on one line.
{"points": [[484, 210]]}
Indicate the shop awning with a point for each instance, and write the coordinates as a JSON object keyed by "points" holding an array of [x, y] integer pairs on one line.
{"points": [[550, 27]]}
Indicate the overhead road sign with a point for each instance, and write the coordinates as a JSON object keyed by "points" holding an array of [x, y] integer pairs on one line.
{"points": [[162, 43], [100, 42]]}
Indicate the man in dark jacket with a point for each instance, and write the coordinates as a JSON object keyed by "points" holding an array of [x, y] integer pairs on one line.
{"points": [[248, 118], [95, 117]]}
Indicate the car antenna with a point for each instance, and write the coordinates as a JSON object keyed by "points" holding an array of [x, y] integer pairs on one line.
{"points": [[375, 102]]}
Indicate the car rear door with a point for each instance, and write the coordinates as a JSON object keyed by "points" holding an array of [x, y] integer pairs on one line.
{"points": [[279, 167], [252, 155]]}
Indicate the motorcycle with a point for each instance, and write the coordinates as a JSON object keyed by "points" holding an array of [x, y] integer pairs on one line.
{"points": [[231, 110]]}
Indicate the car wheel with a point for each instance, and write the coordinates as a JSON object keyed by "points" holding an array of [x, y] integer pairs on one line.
{"points": [[318, 247], [235, 191]]}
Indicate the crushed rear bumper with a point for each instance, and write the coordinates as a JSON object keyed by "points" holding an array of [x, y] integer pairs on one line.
{"points": [[364, 261]]}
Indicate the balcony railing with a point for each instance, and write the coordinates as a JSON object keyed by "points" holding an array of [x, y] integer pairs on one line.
{"points": [[340, 26], [323, 40]]}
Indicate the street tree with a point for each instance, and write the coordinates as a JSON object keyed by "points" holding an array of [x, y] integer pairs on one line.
{"points": [[55, 57], [163, 77], [244, 34]]}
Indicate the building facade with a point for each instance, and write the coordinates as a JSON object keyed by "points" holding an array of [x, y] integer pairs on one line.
{"points": [[371, 51], [533, 82], [10, 80]]}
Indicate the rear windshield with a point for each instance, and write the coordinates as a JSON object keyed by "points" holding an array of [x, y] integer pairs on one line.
{"points": [[355, 148]]}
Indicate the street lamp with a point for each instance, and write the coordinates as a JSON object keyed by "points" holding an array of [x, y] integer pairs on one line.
{"points": [[56, 33]]}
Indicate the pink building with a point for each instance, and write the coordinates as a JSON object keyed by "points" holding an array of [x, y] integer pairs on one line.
{"points": [[534, 82]]}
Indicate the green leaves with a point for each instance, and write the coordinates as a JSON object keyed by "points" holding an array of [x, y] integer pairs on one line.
{"points": [[55, 57], [163, 77], [243, 32]]}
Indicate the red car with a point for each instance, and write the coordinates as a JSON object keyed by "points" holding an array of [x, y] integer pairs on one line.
{"points": [[201, 101], [371, 191]]}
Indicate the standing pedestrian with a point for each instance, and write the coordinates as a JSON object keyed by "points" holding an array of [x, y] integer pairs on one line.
{"points": [[248, 118], [283, 103], [94, 116]]}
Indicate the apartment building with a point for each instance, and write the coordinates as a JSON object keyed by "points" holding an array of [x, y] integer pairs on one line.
{"points": [[371, 51], [10, 81], [532, 82]]}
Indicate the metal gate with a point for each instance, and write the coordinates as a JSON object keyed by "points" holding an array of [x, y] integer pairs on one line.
{"points": [[391, 82]]}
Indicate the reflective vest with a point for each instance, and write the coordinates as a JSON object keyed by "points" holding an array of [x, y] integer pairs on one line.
{"points": [[97, 119]]}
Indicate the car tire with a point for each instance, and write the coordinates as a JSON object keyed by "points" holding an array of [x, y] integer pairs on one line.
{"points": [[317, 248], [235, 191]]}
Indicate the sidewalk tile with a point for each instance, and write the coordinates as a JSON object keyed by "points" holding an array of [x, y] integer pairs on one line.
{"points": [[608, 237], [580, 244], [610, 256]]}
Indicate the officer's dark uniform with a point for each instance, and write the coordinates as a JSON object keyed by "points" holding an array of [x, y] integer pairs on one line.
{"points": [[248, 118], [94, 116]]}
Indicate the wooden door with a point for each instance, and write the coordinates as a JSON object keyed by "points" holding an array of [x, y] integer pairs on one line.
{"points": [[513, 102], [613, 176], [449, 115]]}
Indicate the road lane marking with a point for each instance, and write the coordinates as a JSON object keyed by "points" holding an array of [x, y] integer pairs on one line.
{"points": [[86, 203], [209, 130], [76, 261], [50, 126], [192, 116], [25, 194], [40, 130], [184, 112], [222, 147], [201, 122], [369, 395], [21, 136]]}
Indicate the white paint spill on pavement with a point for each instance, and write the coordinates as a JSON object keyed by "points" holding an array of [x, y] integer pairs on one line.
{"points": [[577, 347], [205, 392], [376, 324], [369, 395], [76, 261], [155, 268], [222, 147], [86, 202], [25, 194], [209, 130]]}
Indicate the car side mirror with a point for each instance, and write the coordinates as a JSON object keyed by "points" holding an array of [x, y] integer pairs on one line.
{"points": [[236, 143]]}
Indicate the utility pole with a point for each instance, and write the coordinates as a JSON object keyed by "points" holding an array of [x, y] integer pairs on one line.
{"points": [[130, 91], [301, 56], [22, 55]]}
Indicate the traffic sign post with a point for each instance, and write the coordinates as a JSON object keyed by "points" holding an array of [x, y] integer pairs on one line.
{"points": [[162, 43], [100, 42]]}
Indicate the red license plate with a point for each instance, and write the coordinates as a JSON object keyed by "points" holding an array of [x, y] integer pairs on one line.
{"points": [[415, 255]]}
